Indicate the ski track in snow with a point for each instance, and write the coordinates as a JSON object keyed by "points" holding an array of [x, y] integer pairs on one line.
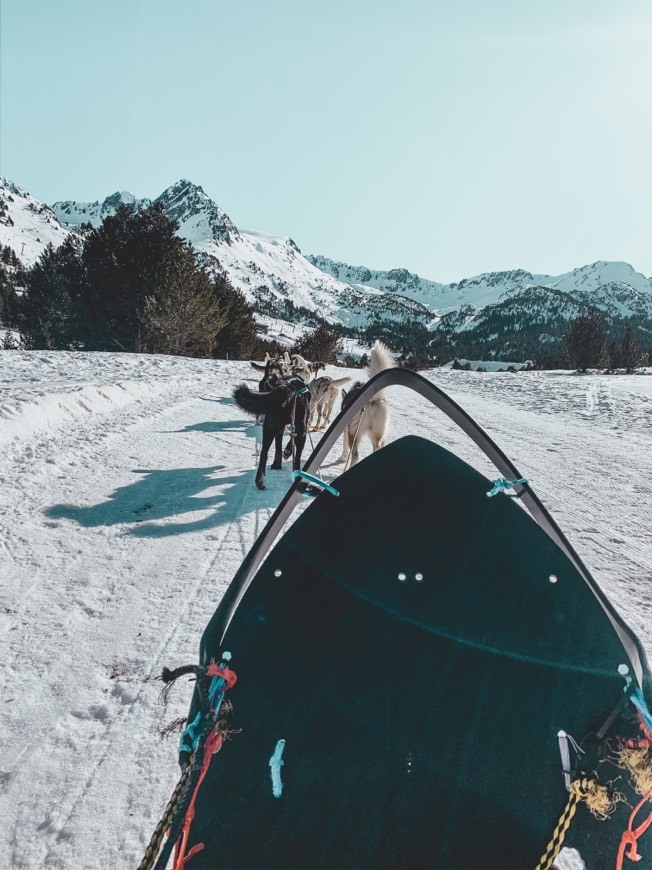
{"points": [[128, 503]]}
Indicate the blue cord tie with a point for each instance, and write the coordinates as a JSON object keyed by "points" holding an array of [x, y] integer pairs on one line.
{"points": [[636, 696], [316, 480], [502, 485], [190, 736], [640, 703]]}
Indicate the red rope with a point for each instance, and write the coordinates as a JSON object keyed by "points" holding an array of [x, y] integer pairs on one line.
{"points": [[213, 745], [630, 836], [227, 674]]}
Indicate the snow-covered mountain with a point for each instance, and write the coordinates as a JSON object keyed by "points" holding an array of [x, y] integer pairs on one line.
{"points": [[93, 213], [270, 270], [27, 226], [281, 282]]}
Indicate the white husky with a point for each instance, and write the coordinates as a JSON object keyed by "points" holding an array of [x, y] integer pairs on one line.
{"points": [[372, 420], [323, 395]]}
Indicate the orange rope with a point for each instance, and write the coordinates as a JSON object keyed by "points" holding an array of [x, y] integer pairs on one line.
{"points": [[630, 836], [213, 745]]}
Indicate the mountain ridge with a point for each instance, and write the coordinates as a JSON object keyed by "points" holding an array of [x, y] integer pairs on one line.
{"points": [[281, 282]]}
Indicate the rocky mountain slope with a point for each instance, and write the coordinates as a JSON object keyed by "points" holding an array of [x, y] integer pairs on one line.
{"points": [[515, 310]]}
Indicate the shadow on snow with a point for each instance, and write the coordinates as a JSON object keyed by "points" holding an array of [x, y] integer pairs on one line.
{"points": [[160, 494]]}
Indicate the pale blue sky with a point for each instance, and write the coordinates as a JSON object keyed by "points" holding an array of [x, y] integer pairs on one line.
{"points": [[449, 138]]}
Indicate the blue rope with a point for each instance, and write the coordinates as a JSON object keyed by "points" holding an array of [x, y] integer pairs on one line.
{"points": [[316, 480], [190, 735], [640, 703], [502, 485], [216, 690]]}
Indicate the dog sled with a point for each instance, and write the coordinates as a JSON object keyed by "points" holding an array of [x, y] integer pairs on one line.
{"points": [[446, 687]]}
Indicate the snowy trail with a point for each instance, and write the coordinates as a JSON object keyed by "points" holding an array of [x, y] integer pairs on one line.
{"points": [[128, 503], [105, 609]]}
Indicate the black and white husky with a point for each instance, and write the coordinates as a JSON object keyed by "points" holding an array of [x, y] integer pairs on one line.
{"points": [[372, 420], [287, 403]]}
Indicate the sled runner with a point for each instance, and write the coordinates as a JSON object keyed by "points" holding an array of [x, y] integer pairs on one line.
{"points": [[427, 676]]}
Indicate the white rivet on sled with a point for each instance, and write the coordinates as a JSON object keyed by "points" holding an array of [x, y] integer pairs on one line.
{"points": [[553, 578], [278, 572], [418, 577], [402, 576]]}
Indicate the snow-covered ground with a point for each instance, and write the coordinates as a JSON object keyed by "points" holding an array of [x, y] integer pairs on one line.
{"points": [[126, 505]]}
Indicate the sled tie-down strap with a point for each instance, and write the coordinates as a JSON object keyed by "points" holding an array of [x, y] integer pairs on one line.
{"points": [[202, 739]]}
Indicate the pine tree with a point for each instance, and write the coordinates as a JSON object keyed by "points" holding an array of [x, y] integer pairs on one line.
{"points": [[184, 317], [631, 355], [237, 338], [48, 314], [586, 342], [615, 355], [126, 260], [320, 345]]}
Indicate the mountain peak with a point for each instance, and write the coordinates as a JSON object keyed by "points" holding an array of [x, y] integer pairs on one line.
{"points": [[199, 217]]}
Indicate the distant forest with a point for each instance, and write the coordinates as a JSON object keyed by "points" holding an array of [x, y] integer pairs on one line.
{"points": [[133, 285], [129, 285]]}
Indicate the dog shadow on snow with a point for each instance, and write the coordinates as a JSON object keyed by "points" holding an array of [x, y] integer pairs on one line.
{"points": [[162, 494]]}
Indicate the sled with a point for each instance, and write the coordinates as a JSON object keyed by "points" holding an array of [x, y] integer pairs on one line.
{"points": [[427, 676]]}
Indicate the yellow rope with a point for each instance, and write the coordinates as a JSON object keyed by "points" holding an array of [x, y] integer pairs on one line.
{"points": [[581, 789], [154, 846]]}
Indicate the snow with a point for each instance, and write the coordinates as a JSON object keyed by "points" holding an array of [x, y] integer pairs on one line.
{"points": [[127, 503]]}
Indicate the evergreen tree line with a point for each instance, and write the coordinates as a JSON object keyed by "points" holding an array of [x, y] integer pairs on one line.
{"points": [[12, 281], [132, 285], [588, 346]]}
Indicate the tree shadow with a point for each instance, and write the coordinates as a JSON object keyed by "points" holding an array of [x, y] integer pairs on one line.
{"points": [[162, 494]]}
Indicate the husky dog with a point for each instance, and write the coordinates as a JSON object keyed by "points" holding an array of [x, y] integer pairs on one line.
{"points": [[300, 366], [261, 366], [323, 395], [372, 420], [287, 403], [274, 371]]}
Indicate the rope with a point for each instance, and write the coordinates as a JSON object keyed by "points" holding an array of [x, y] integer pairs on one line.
{"points": [[630, 836], [213, 745], [199, 739], [579, 790], [352, 443], [159, 832]]}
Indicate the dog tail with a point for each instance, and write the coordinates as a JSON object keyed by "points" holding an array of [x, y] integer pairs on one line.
{"points": [[338, 382], [259, 367], [255, 402], [381, 358]]}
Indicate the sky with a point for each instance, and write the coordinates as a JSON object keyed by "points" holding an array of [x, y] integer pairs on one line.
{"points": [[449, 138]]}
